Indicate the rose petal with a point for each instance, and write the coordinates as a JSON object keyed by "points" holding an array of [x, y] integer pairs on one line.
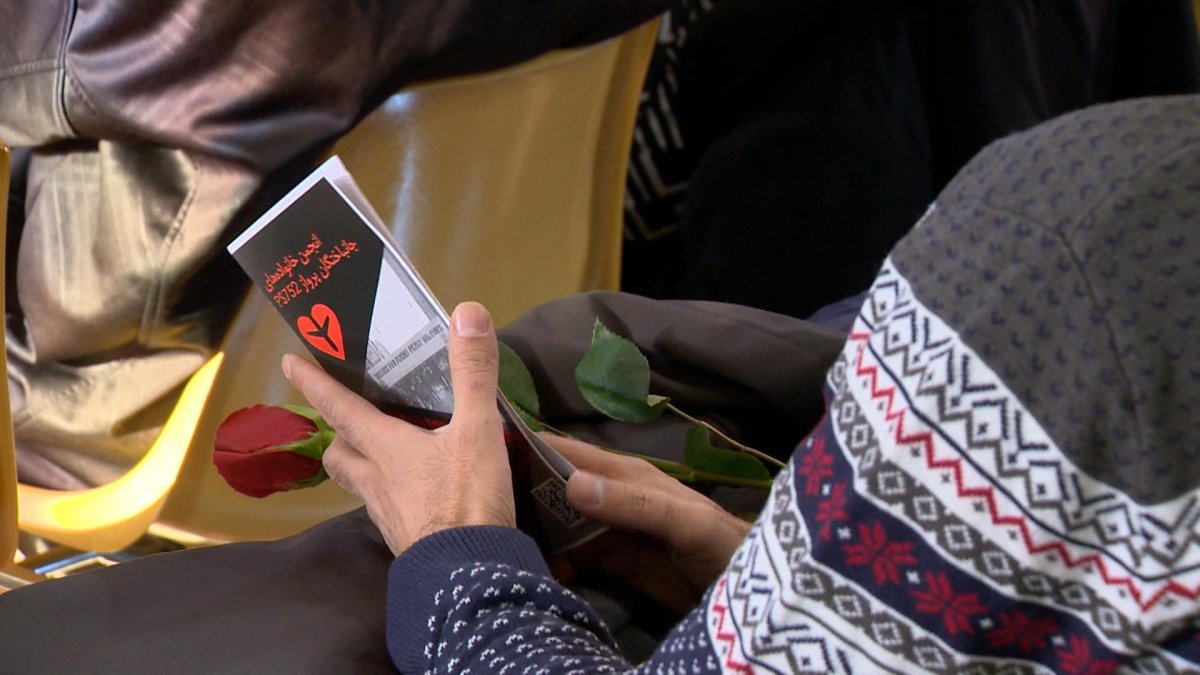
{"points": [[263, 473], [260, 427]]}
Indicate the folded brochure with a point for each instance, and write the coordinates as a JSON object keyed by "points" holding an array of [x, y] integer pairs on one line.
{"points": [[328, 264]]}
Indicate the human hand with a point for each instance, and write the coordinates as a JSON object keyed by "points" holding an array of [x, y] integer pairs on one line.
{"points": [[415, 482], [670, 542]]}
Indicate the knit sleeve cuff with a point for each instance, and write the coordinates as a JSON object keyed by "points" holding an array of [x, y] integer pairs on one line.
{"points": [[420, 576]]}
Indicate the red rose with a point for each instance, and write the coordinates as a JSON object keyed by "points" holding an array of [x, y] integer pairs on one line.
{"points": [[264, 449]]}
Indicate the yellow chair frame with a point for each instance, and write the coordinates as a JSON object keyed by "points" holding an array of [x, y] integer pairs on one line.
{"points": [[508, 187], [8, 466], [113, 516]]}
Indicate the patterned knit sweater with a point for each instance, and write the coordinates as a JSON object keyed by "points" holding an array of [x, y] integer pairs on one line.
{"points": [[1007, 476]]}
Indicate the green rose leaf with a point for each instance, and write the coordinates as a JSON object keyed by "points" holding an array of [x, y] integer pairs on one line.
{"points": [[699, 453], [315, 445], [316, 480], [614, 378], [532, 422], [305, 411], [517, 386]]}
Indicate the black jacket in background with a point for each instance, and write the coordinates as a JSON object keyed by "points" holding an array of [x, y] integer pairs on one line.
{"points": [[816, 133]]}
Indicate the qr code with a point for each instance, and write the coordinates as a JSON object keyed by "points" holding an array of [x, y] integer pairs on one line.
{"points": [[552, 495]]}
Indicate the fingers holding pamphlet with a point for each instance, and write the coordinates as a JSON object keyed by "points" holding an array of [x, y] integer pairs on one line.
{"points": [[328, 265]]}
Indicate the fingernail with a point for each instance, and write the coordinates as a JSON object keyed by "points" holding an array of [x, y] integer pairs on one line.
{"points": [[471, 320], [286, 365], [590, 490]]}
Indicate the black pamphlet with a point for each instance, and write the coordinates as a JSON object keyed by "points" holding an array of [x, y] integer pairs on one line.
{"points": [[328, 265]]}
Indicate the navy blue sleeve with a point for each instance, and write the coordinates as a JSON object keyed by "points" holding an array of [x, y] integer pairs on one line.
{"points": [[481, 600]]}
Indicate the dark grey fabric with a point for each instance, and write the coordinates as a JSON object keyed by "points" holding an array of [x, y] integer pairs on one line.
{"points": [[753, 371], [259, 81], [1022, 224], [839, 315], [313, 603]]}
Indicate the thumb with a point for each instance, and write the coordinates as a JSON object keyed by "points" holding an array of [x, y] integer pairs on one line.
{"points": [[474, 362], [626, 506]]}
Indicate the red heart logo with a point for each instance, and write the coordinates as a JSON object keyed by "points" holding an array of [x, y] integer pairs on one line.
{"points": [[323, 331]]}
